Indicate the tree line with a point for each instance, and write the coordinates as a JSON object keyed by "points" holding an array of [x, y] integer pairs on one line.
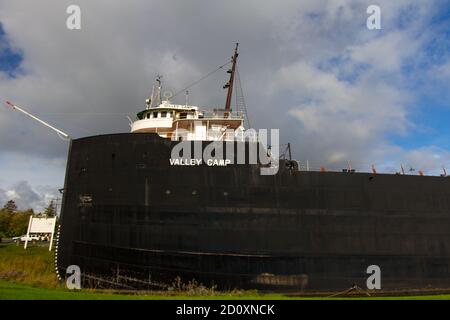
{"points": [[14, 222]]}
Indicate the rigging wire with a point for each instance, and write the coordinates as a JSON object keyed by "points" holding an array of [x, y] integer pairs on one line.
{"points": [[242, 97], [201, 79], [285, 150], [236, 96]]}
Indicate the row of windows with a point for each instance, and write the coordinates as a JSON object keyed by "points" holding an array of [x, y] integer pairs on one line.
{"points": [[162, 114]]}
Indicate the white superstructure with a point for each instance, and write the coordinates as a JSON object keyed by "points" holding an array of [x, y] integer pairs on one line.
{"points": [[181, 122], [187, 122]]}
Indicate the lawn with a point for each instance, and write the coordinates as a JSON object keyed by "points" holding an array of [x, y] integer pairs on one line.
{"points": [[33, 266], [13, 291]]}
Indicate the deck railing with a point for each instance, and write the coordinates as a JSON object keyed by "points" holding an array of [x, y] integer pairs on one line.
{"points": [[221, 114]]}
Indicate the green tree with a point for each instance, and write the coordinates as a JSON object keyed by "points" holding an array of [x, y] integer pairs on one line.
{"points": [[50, 211], [19, 223], [10, 206], [5, 219]]}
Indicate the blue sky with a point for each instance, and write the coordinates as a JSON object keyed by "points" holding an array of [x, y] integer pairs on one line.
{"points": [[432, 125], [432, 105], [9, 58], [337, 91]]}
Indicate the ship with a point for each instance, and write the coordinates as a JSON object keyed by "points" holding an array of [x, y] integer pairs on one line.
{"points": [[134, 214]]}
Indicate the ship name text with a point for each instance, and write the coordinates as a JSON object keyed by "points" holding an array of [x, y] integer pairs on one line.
{"points": [[197, 162]]}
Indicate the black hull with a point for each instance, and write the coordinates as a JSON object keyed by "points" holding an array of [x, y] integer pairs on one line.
{"points": [[127, 211]]}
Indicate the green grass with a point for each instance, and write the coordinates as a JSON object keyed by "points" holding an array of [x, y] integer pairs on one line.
{"points": [[33, 266], [12, 291], [29, 275]]}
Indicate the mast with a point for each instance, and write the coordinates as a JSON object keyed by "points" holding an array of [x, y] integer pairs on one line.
{"points": [[230, 83], [158, 79]]}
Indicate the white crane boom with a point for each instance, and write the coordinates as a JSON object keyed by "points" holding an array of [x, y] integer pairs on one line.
{"points": [[15, 107]]}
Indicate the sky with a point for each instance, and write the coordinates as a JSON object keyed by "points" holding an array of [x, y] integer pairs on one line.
{"points": [[337, 91]]}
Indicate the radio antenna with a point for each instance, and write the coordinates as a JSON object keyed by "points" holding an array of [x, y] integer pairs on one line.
{"points": [[59, 132]]}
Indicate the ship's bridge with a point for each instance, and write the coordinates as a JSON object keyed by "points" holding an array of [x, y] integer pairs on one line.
{"points": [[186, 122]]}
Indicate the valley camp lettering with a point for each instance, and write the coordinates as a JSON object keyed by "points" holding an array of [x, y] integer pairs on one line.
{"points": [[197, 162]]}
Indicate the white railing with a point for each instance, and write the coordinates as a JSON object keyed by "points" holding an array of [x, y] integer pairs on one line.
{"points": [[221, 115]]}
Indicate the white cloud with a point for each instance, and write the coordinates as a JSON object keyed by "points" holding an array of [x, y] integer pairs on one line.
{"points": [[386, 53], [342, 121], [12, 195], [442, 72], [27, 197]]}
